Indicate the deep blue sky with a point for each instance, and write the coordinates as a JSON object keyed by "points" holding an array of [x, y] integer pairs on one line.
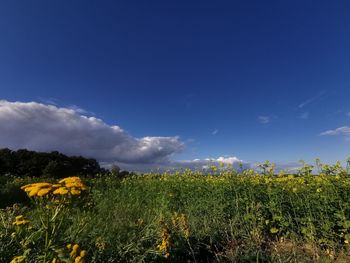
{"points": [[188, 68]]}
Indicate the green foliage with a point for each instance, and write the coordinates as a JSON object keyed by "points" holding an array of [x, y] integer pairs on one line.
{"points": [[224, 216], [24, 163]]}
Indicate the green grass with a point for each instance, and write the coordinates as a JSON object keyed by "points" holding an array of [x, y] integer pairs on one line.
{"points": [[231, 218]]}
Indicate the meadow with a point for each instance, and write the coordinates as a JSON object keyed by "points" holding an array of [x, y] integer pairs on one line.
{"points": [[221, 215]]}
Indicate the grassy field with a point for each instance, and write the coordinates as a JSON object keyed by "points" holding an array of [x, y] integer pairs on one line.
{"points": [[223, 216]]}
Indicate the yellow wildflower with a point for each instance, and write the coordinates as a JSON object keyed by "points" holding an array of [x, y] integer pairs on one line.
{"points": [[75, 247], [164, 246], [20, 220], [61, 191], [17, 259], [82, 253], [75, 191], [43, 192], [78, 260], [35, 189]]}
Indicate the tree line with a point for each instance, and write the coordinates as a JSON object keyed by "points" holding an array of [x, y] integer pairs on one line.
{"points": [[24, 163]]}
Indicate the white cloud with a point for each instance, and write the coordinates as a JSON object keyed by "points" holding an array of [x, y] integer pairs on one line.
{"points": [[264, 119], [214, 132], [80, 110], [341, 131], [42, 127]]}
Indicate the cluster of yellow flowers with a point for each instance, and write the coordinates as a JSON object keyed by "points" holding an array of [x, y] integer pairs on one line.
{"points": [[180, 222], [20, 220], [164, 246], [76, 253], [69, 185]]}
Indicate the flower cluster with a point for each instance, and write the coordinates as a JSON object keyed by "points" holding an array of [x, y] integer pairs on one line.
{"points": [[180, 222], [20, 220], [76, 253], [164, 246], [69, 185]]}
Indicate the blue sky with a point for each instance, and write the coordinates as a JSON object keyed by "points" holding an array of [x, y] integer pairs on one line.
{"points": [[253, 79]]}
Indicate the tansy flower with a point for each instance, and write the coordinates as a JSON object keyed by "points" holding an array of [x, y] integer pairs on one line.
{"points": [[43, 192], [78, 260], [75, 191], [82, 253], [17, 259], [20, 220], [35, 189], [61, 191]]}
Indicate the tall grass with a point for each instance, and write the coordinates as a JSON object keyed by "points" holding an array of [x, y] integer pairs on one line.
{"points": [[192, 217]]}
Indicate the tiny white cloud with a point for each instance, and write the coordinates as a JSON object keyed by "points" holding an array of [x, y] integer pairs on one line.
{"points": [[264, 119], [214, 132]]}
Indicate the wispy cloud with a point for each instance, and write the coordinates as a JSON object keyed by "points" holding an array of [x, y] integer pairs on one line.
{"points": [[264, 119], [311, 100], [214, 132], [341, 131], [304, 115], [80, 110]]}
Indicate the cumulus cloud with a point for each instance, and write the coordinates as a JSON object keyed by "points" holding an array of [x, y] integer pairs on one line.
{"points": [[341, 131], [43, 127]]}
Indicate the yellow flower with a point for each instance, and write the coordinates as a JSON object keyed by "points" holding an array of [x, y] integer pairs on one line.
{"points": [[164, 246], [82, 253], [43, 192], [75, 191], [17, 259], [75, 247], [74, 251], [35, 189], [20, 220], [74, 184], [78, 260], [61, 191]]}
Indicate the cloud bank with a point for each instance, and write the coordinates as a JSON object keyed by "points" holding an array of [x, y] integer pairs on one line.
{"points": [[42, 127]]}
